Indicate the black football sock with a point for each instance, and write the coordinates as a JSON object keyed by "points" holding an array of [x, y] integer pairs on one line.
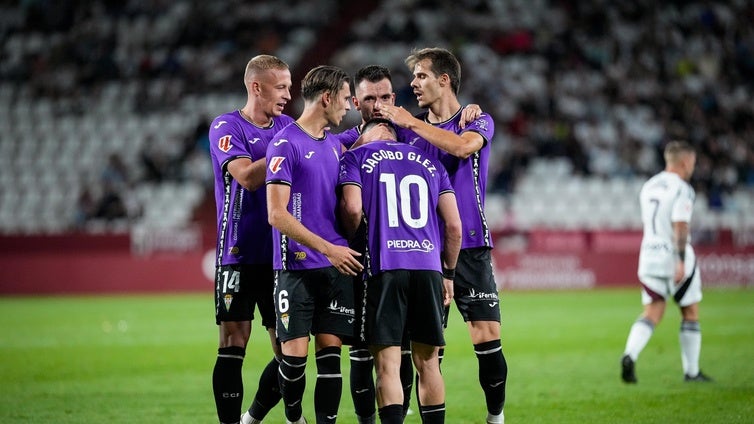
{"points": [[292, 380], [268, 393], [391, 414], [329, 385], [493, 373], [362, 382], [227, 383], [433, 414]]}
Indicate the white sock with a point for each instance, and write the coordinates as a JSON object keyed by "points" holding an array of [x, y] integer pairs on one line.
{"points": [[690, 338], [496, 419], [638, 337], [246, 418]]}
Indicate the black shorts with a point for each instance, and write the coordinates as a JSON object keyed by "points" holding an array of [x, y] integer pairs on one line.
{"points": [[474, 288], [239, 287], [314, 301], [401, 300]]}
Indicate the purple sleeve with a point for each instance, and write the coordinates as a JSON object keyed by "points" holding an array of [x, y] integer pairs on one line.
{"points": [[484, 125], [349, 169], [281, 156], [226, 140]]}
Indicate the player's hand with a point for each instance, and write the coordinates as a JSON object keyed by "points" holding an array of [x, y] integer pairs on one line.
{"points": [[398, 115], [447, 291], [680, 271], [470, 113], [344, 259]]}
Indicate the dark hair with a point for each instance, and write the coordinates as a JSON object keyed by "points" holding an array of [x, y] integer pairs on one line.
{"points": [[321, 79], [377, 121], [443, 62], [372, 73]]}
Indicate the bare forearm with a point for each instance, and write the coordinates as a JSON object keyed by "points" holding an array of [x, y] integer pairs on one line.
{"points": [[681, 231], [284, 222], [444, 140]]}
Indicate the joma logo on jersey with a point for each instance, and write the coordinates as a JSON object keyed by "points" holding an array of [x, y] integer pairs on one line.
{"points": [[300, 256], [224, 143], [275, 163]]}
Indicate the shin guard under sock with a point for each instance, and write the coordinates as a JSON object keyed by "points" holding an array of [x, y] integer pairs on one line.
{"points": [[227, 383], [329, 385], [268, 392], [493, 373], [292, 380]]}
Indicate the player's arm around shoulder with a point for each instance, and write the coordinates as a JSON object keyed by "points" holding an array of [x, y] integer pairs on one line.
{"points": [[461, 146]]}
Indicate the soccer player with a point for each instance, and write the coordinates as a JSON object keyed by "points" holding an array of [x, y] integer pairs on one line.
{"points": [[312, 261], [667, 264], [401, 193], [243, 277], [465, 152], [374, 88]]}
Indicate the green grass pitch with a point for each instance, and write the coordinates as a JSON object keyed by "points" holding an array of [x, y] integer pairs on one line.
{"points": [[148, 359]]}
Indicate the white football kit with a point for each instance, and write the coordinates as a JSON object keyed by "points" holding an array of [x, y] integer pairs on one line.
{"points": [[666, 198]]}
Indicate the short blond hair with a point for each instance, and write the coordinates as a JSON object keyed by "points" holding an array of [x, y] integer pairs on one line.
{"points": [[675, 149], [261, 63]]}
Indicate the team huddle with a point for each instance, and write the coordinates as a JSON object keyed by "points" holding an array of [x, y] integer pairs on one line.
{"points": [[353, 238]]}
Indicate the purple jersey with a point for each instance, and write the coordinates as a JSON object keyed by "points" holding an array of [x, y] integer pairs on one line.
{"points": [[349, 136], [310, 167], [244, 235], [468, 176], [400, 187]]}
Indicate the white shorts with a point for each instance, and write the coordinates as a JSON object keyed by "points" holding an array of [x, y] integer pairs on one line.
{"points": [[685, 293]]}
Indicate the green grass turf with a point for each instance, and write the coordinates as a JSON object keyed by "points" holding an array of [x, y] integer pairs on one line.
{"points": [[149, 359]]}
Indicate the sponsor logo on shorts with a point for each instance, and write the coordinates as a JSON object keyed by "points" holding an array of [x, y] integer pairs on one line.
{"points": [[341, 310], [482, 296]]}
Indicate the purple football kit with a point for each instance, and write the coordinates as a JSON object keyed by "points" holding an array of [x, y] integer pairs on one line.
{"points": [[400, 189], [310, 167], [468, 176], [244, 235]]}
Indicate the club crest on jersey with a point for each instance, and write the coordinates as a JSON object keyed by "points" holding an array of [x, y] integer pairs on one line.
{"points": [[275, 163], [228, 299], [224, 143]]}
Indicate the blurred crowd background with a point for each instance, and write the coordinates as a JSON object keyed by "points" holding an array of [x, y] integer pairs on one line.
{"points": [[105, 105]]}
